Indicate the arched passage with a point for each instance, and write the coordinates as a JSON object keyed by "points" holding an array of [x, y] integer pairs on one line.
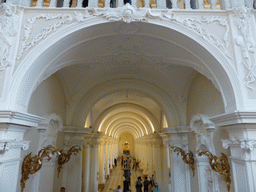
{"points": [[128, 86], [35, 64]]}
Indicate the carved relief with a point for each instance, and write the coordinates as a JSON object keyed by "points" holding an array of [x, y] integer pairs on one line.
{"points": [[195, 24], [203, 128], [245, 144], [8, 30], [126, 14], [246, 43], [49, 129]]}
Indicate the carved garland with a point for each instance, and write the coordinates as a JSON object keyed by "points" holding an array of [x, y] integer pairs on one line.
{"points": [[126, 14]]}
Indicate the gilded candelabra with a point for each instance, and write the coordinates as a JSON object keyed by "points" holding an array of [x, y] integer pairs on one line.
{"points": [[65, 157], [186, 157], [218, 164], [31, 165]]}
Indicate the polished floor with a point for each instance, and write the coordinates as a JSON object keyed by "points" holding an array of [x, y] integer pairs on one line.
{"points": [[116, 178]]}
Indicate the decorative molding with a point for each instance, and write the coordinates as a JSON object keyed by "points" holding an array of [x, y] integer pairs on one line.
{"points": [[195, 24], [127, 14], [208, 175], [203, 128], [245, 41], [6, 145], [245, 144], [8, 30]]}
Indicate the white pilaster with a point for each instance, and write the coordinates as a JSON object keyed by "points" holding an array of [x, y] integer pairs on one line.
{"points": [[13, 125], [72, 175], [178, 137], [242, 144]]}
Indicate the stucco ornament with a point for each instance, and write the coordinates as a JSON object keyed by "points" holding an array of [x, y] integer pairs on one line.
{"points": [[247, 44], [245, 144], [8, 30], [203, 128], [8, 144], [127, 13]]}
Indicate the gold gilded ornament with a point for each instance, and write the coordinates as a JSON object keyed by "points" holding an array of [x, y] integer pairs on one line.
{"points": [[65, 157], [186, 157], [31, 165], [218, 164]]}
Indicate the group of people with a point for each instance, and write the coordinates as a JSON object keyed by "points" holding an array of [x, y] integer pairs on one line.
{"points": [[126, 163], [149, 186]]}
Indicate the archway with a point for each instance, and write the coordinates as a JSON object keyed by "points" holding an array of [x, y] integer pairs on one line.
{"points": [[127, 86]]}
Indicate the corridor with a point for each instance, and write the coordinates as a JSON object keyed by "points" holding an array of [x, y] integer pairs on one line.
{"points": [[116, 178]]}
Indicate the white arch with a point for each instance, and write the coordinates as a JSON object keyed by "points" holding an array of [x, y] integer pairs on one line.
{"points": [[21, 91]]}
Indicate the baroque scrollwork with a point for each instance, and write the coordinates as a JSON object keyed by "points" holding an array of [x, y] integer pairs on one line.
{"points": [[126, 14], [65, 157], [186, 157], [8, 30], [31, 165], [195, 23], [219, 165], [247, 44]]}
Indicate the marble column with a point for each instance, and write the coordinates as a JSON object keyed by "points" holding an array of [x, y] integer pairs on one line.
{"points": [[72, 170], [107, 158], [102, 161], [166, 163], [87, 170], [242, 144], [13, 125], [94, 176]]}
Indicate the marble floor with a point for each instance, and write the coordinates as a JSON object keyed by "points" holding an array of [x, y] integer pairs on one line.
{"points": [[116, 178]]}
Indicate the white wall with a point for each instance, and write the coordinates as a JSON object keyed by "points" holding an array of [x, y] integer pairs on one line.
{"points": [[204, 98], [48, 98]]}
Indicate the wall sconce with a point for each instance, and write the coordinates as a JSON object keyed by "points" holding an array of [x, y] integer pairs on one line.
{"points": [[218, 164], [65, 157], [186, 157], [31, 165]]}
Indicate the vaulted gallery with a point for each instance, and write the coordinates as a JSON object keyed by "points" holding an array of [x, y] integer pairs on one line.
{"points": [[115, 84], [170, 90]]}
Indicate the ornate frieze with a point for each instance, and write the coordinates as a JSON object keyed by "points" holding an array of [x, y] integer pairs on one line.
{"points": [[245, 144], [32, 35], [8, 30]]}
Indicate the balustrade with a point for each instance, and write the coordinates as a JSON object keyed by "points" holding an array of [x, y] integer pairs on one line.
{"points": [[159, 4]]}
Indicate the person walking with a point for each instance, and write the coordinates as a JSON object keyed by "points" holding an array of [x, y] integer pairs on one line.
{"points": [[146, 183], [138, 185], [115, 161], [152, 180], [126, 185]]}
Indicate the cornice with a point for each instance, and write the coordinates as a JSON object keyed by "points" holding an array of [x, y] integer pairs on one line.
{"points": [[237, 117], [176, 130], [76, 130], [20, 118]]}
